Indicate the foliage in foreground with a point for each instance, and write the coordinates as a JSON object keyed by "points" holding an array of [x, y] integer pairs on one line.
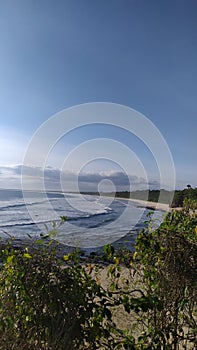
{"points": [[168, 257], [47, 305]]}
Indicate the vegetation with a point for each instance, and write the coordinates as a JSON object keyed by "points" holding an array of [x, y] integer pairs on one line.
{"points": [[180, 196], [58, 304], [45, 305], [150, 195], [153, 195], [168, 257]]}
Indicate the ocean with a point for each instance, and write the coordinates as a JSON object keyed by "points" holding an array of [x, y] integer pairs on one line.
{"points": [[92, 221]]}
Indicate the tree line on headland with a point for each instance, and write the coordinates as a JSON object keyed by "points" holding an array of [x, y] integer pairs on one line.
{"points": [[153, 195]]}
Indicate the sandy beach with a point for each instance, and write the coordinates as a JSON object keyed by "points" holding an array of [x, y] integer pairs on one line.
{"points": [[150, 205]]}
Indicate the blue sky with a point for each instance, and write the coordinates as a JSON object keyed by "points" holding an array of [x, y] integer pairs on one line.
{"points": [[138, 53]]}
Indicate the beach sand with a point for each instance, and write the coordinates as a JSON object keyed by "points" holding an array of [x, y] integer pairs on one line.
{"points": [[150, 205], [120, 317]]}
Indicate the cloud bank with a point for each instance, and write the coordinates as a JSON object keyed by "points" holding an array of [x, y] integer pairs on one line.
{"points": [[54, 179]]}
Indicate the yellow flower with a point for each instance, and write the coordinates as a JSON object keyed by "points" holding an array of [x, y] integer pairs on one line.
{"points": [[134, 255], [196, 229], [117, 261]]}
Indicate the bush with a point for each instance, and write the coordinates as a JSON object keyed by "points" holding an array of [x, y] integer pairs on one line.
{"points": [[162, 297], [45, 305], [181, 196], [168, 258]]}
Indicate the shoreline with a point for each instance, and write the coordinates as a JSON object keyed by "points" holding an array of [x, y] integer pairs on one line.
{"points": [[142, 203], [64, 249], [150, 205]]}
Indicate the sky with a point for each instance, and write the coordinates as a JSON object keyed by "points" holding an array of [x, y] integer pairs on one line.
{"points": [[58, 54]]}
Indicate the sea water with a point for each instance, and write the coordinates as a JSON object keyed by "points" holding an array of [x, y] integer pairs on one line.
{"points": [[92, 221]]}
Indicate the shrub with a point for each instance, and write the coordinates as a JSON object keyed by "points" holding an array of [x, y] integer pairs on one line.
{"points": [[168, 258], [45, 305], [162, 298]]}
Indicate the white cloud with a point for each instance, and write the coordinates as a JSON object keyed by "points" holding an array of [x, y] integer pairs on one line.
{"points": [[54, 179]]}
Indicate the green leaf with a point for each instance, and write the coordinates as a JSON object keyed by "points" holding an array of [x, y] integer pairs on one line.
{"points": [[9, 259], [63, 218], [27, 255], [66, 257], [39, 241]]}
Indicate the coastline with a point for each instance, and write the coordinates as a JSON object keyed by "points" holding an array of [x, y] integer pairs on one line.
{"points": [[63, 249], [150, 205]]}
